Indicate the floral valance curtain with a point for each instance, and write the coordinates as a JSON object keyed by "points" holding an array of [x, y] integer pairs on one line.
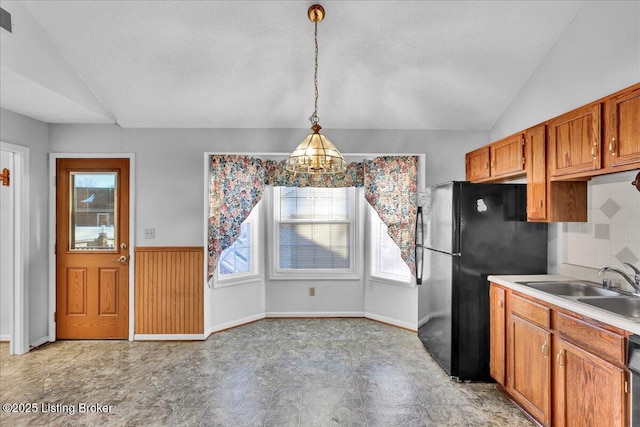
{"points": [[236, 184], [390, 184]]}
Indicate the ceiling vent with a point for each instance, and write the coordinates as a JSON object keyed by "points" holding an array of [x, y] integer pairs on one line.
{"points": [[5, 20]]}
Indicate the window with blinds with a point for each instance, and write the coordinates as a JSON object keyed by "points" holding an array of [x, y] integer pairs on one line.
{"points": [[314, 229]]}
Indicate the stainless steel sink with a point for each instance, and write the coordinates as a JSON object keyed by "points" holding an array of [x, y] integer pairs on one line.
{"points": [[571, 289], [626, 306]]}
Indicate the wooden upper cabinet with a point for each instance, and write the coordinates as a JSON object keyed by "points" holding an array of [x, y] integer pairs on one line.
{"points": [[501, 159], [477, 164], [507, 156], [537, 173], [574, 142], [622, 129], [550, 201]]}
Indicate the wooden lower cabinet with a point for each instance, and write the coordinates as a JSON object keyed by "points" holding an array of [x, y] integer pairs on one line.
{"points": [[530, 367], [562, 368], [589, 391], [498, 322]]}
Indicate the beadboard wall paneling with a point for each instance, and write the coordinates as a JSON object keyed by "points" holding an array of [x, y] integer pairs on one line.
{"points": [[169, 290]]}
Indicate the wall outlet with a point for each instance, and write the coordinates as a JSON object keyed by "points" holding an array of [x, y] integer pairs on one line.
{"points": [[149, 233], [312, 292]]}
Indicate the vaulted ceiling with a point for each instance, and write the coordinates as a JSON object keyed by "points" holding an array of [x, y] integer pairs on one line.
{"points": [[249, 64]]}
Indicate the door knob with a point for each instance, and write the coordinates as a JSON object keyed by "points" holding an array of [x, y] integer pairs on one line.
{"points": [[123, 259]]}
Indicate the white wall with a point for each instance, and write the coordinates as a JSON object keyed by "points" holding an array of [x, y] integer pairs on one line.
{"points": [[32, 64], [598, 54], [169, 198], [21, 130]]}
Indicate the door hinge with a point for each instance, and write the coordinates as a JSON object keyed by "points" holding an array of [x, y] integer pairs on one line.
{"points": [[55, 181], [626, 387], [5, 177], [524, 160], [55, 317]]}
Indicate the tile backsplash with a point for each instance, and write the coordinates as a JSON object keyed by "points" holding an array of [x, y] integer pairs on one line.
{"points": [[612, 234]]}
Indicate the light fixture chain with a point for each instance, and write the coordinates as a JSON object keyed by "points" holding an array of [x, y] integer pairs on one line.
{"points": [[314, 117]]}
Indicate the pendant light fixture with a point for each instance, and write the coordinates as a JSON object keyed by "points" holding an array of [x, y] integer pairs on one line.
{"points": [[316, 154]]}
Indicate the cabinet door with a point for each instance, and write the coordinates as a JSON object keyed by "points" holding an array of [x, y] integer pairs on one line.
{"points": [[537, 173], [497, 342], [622, 138], [507, 156], [574, 142], [477, 164], [588, 390], [530, 367]]}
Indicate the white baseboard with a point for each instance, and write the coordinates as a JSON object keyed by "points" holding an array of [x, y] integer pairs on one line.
{"points": [[276, 314], [5, 338], [393, 322], [39, 342], [233, 324], [169, 337], [423, 320]]}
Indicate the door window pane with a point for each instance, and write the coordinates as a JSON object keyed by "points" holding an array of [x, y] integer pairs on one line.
{"points": [[92, 220]]}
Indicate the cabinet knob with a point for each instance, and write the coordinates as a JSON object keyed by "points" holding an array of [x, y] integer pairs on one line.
{"points": [[540, 203], [545, 350], [593, 152], [560, 358], [612, 146]]}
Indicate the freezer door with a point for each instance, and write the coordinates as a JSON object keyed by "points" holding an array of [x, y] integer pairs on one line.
{"points": [[441, 227], [434, 301]]}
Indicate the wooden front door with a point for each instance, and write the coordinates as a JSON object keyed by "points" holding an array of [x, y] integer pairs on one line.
{"points": [[92, 248]]}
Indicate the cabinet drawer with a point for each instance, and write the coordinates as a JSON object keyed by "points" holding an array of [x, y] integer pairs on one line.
{"points": [[531, 311], [603, 343]]}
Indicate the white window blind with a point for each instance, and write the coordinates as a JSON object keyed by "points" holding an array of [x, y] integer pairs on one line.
{"points": [[314, 228]]}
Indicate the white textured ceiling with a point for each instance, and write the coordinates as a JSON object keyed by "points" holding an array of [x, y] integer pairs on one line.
{"points": [[249, 64]]}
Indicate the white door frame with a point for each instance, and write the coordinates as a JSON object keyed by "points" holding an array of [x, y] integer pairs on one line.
{"points": [[19, 340], [53, 157]]}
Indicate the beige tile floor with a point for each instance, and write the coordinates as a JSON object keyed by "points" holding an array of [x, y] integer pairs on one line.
{"points": [[275, 372]]}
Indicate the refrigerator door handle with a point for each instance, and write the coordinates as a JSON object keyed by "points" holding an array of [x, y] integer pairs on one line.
{"points": [[419, 247]]}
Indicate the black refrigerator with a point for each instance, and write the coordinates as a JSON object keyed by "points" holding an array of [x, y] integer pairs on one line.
{"points": [[472, 231]]}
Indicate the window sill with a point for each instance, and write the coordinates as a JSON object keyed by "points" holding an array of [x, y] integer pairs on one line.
{"points": [[236, 281], [394, 282], [314, 275]]}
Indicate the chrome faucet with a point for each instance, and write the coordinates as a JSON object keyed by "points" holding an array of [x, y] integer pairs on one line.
{"points": [[634, 282]]}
